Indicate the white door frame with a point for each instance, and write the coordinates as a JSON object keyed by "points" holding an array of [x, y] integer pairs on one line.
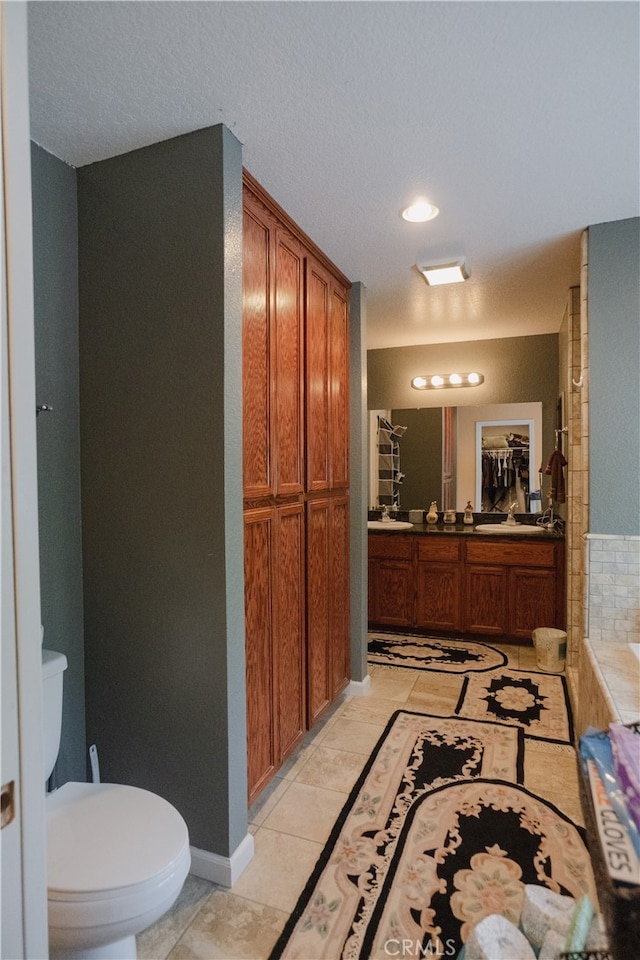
{"points": [[23, 841]]}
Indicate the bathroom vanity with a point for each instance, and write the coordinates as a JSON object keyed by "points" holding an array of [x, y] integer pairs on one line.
{"points": [[465, 582]]}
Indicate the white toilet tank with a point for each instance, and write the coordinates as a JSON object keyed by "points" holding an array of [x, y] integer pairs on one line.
{"points": [[53, 666]]}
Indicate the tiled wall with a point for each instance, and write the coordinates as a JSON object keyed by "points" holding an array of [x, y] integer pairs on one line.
{"points": [[613, 588]]}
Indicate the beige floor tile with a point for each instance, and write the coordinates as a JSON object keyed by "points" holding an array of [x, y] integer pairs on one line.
{"points": [[354, 736], [432, 704], [527, 658], [229, 927], [279, 870], [387, 687], [381, 671], [440, 684], [371, 710], [157, 940], [306, 811], [298, 759], [332, 769], [267, 800]]}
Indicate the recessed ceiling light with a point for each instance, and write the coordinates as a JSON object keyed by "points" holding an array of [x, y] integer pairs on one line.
{"points": [[420, 212]]}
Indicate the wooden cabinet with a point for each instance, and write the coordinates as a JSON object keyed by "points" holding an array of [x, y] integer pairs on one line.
{"points": [[391, 580], [438, 584], [466, 584], [327, 602], [513, 587], [272, 344], [295, 456], [327, 380], [274, 627]]}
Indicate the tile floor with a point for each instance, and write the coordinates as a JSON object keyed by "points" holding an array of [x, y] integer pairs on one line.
{"points": [[293, 817]]}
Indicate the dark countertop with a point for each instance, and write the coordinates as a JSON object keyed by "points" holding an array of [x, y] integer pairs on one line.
{"points": [[463, 529]]}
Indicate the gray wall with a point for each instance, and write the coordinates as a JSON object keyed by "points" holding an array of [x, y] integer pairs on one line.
{"points": [[160, 238], [614, 377], [516, 370], [55, 263]]}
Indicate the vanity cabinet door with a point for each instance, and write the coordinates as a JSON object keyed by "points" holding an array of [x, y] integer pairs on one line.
{"points": [[532, 601], [439, 584], [486, 607], [393, 589], [439, 596]]}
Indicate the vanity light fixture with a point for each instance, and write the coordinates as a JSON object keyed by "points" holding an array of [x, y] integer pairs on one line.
{"points": [[439, 381], [449, 271], [420, 212]]}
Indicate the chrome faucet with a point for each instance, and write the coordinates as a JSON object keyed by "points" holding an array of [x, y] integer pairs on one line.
{"points": [[510, 513]]}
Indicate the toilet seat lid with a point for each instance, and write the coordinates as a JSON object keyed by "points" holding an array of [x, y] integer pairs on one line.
{"points": [[106, 836]]}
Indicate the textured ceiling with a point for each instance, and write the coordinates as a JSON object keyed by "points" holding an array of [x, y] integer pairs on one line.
{"points": [[520, 120]]}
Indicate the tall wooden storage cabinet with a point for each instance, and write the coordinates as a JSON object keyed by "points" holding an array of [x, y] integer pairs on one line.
{"points": [[295, 455]]}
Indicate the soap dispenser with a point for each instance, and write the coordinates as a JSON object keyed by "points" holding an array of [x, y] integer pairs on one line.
{"points": [[432, 515], [468, 513]]}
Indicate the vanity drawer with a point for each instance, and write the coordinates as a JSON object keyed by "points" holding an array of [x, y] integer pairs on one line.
{"points": [[390, 546], [432, 548], [511, 554]]}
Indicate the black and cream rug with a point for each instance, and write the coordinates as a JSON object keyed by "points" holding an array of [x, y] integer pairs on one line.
{"points": [[437, 833], [429, 653], [537, 702]]}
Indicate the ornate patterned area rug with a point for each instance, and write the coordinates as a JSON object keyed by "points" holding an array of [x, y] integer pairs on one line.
{"points": [[537, 702], [436, 834], [429, 653]]}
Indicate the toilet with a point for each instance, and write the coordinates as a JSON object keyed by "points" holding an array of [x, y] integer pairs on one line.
{"points": [[117, 856]]}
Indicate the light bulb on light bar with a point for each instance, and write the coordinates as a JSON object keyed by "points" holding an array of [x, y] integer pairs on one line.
{"points": [[452, 271], [439, 381]]}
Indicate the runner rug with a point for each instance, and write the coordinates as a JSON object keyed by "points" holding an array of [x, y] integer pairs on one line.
{"points": [[537, 702], [436, 834], [429, 653]]}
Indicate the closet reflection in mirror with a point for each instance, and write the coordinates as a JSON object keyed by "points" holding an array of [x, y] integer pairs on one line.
{"points": [[439, 456]]}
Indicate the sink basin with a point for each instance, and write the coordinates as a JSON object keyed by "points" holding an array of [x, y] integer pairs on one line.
{"points": [[389, 526], [518, 529]]}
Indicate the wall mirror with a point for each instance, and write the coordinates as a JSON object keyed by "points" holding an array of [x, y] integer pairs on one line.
{"points": [[445, 453]]}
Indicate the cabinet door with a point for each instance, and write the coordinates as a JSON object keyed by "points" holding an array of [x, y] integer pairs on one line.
{"points": [[532, 600], [439, 596], [339, 388], [258, 563], [317, 376], [393, 586], [288, 368], [486, 599], [338, 575], [256, 352], [318, 601], [289, 623]]}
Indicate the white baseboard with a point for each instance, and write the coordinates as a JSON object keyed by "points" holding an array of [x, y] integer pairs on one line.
{"points": [[222, 870], [358, 688]]}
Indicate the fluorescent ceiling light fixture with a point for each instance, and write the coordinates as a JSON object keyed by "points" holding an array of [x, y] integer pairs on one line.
{"points": [[451, 271], [420, 212], [439, 381]]}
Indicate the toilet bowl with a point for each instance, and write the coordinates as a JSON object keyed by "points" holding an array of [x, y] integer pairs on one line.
{"points": [[117, 857]]}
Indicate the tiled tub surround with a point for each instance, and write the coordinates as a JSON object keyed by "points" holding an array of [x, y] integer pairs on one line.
{"points": [[613, 588], [609, 670]]}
